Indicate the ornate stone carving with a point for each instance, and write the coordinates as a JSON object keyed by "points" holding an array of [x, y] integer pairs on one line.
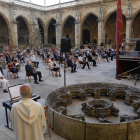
{"points": [[127, 118], [99, 108], [78, 117]]}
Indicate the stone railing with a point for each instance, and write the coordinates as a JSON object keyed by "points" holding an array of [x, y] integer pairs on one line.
{"points": [[56, 6]]}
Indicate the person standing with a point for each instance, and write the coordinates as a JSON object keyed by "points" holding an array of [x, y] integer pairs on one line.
{"points": [[27, 117]]}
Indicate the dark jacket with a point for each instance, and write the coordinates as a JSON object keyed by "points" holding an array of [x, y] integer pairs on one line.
{"points": [[69, 62], [8, 58], [29, 69], [89, 57]]}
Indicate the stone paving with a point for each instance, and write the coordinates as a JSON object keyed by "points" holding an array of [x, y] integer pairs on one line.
{"points": [[104, 72]]}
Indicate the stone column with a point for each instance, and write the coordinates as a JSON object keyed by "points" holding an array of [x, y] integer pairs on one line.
{"points": [[14, 32], [128, 25], [128, 29], [100, 31], [77, 34], [58, 34], [45, 37]]}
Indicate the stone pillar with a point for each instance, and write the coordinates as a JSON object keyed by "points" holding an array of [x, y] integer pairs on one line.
{"points": [[77, 34], [58, 34], [128, 31], [45, 37], [14, 32], [100, 31], [128, 25]]}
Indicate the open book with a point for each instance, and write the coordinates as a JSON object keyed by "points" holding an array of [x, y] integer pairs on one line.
{"points": [[14, 92]]}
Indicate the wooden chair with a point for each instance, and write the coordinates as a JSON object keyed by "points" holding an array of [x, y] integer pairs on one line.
{"points": [[79, 64], [50, 70], [29, 78], [44, 61], [9, 73], [97, 60], [67, 67], [90, 63], [60, 63], [46, 108]]}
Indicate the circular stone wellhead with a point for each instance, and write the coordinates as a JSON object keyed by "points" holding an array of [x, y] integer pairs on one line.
{"points": [[76, 127], [99, 108]]}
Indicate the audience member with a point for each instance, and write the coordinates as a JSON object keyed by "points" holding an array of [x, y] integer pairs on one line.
{"points": [[104, 56], [32, 58], [13, 69], [15, 63], [71, 64], [8, 58], [54, 67], [83, 61], [30, 71], [90, 59], [5, 83]]}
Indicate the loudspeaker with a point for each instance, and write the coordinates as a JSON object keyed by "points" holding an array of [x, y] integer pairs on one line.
{"points": [[65, 44], [138, 45], [102, 44]]}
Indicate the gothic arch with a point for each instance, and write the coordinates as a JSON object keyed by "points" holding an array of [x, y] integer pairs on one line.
{"points": [[26, 21], [6, 19], [65, 20], [84, 18], [110, 29], [109, 14], [135, 15], [42, 23], [51, 31], [89, 22], [48, 23], [68, 27]]}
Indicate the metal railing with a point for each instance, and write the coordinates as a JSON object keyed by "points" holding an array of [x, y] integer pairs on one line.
{"points": [[59, 5]]}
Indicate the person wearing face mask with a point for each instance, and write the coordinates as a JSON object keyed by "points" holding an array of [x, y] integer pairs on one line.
{"points": [[30, 71]]}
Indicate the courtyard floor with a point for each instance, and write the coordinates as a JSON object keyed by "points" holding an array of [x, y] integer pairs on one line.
{"points": [[104, 72]]}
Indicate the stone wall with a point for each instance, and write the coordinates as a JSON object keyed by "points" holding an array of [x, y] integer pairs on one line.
{"points": [[102, 10]]}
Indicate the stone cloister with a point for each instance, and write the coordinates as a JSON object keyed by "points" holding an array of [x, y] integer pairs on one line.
{"points": [[92, 22]]}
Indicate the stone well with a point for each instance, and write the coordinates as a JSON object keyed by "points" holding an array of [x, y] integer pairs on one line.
{"points": [[74, 127]]}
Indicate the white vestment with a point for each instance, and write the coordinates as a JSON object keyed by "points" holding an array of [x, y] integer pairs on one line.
{"points": [[28, 120]]}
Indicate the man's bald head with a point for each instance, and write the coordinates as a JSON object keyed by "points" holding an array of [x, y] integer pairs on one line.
{"points": [[26, 91], [28, 61]]}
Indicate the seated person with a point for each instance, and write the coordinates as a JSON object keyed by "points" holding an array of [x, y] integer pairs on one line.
{"points": [[83, 61], [62, 59], [71, 64], [104, 56], [2, 62], [32, 58], [13, 69], [38, 51], [94, 53], [54, 67], [8, 58], [109, 54], [90, 59], [5, 82], [20, 57], [56, 56], [16, 64], [48, 59], [30, 71]]}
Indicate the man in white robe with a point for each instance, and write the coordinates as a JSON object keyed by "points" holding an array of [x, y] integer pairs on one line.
{"points": [[27, 117], [5, 82]]}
